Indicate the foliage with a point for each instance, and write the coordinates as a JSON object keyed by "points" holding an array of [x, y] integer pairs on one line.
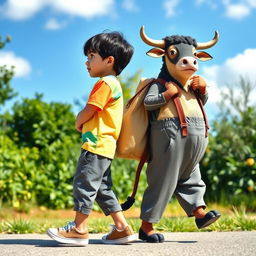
{"points": [[123, 171], [228, 167], [38, 154], [129, 84], [6, 74]]}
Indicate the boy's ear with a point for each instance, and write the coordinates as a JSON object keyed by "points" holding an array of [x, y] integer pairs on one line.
{"points": [[111, 59]]}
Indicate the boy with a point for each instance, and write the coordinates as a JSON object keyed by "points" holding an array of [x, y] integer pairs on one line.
{"points": [[100, 124]]}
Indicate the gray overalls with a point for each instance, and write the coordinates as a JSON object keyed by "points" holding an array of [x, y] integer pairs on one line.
{"points": [[174, 160]]}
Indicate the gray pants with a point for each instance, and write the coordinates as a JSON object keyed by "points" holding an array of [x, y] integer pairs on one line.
{"points": [[93, 182], [174, 167]]}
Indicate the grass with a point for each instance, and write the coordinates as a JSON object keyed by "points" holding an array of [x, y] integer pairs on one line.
{"points": [[38, 220]]}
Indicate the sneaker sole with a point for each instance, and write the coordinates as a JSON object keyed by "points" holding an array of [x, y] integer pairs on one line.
{"points": [[123, 240], [63, 240]]}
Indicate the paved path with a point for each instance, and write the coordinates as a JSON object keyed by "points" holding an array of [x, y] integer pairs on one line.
{"points": [[181, 244]]}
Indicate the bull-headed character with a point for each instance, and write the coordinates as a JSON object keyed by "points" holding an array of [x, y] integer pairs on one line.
{"points": [[177, 133], [180, 55]]}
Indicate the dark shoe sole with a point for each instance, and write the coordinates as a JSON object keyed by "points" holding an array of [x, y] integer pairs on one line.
{"points": [[154, 238], [208, 219]]}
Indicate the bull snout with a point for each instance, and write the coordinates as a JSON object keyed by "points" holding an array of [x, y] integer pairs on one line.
{"points": [[187, 64]]}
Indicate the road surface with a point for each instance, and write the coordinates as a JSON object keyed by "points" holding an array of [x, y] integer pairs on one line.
{"points": [[180, 244]]}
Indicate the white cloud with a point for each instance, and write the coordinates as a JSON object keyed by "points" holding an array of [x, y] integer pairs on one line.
{"points": [[53, 24], [22, 66], [130, 5], [211, 3], [230, 72], [83, 8], [25, 9], [169, 6], [252, 3], [22, 9], [238, 11]]}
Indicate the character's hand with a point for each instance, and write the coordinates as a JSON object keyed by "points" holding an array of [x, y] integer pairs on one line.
{"points": [[171, 90], [198, 83]]}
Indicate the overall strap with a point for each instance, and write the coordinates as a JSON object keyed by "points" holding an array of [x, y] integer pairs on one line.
{"points": [[204, 115], [181, 115], [182, 118]]}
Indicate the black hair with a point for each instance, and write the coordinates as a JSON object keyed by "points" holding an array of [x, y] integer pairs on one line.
{"points": [[170, 40], [111, 44]]}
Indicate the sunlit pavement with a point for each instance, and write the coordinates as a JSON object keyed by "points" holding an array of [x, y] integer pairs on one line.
{"points": [[193, 243]]}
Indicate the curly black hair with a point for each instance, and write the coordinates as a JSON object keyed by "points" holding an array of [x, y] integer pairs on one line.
{"points": [[176, 39]]}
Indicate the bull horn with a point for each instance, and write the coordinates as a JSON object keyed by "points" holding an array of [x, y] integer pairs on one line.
{"points": [[201, 46], [149, 41]]}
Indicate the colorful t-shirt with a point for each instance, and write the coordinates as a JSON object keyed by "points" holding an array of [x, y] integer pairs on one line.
{"points": [[100, 133]]}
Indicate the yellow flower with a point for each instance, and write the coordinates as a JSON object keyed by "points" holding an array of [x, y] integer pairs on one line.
{"points": [[250, 188], [250, 161], [16, 204]]}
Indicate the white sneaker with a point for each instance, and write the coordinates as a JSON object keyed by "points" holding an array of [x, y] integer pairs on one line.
{"points": [[119, 236], [68, 234]]}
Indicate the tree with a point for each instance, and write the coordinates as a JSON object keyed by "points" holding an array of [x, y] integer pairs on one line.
{"points": [[129, 84], [228, 166], [6, 74]]}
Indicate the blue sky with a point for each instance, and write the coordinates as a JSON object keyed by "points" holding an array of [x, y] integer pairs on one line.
{"points": [[48, 37]]}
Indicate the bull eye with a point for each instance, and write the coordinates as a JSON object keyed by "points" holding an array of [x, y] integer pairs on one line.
{"points": [[195, 54], [172, 53]]}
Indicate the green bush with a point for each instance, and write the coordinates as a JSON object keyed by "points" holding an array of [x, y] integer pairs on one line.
{"points": [[228, 167], [39, 149], [123, 172]]}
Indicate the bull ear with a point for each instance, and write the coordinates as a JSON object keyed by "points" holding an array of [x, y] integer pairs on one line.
{"points": [[156, 52], [203, 56]]}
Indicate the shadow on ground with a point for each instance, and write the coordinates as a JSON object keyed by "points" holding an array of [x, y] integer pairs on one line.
{"points": [[52, 243]]}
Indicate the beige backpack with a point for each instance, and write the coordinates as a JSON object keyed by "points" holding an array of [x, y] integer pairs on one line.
{"points": [[133, 139], [133, 136]]}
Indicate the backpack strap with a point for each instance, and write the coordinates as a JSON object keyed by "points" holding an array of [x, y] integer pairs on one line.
{"points": [[144, 158]]}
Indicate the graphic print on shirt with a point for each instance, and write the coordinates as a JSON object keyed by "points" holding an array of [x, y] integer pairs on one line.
{"points": [[89, 138]]}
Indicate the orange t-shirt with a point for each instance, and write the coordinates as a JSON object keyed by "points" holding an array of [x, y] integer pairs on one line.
{"points": [[100, 133]]}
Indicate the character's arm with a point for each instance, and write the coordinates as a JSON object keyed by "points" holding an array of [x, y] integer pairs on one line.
{"points": [[154, 98], [158, 95], [198, 85], [203, 97]]}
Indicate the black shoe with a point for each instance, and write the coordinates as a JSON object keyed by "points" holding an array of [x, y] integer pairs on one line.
{"points": [[154, 238], [208, 219]]}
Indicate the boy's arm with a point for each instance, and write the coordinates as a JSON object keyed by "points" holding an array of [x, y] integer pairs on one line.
{"points": [[85, 115]]}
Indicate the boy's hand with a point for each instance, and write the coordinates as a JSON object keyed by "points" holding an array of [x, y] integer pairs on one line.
{"points": [[171, 90], [85, 115], [198, 83], [79, 127]]}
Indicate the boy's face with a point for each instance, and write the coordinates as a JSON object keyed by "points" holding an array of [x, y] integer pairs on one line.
{"points": [[98, 67]]}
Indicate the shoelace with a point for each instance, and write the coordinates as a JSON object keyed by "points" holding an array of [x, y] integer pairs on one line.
{"points": [[69, 226], [111, 228]]}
